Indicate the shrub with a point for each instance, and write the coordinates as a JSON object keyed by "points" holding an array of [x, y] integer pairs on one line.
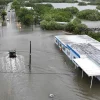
{"points": [[51, 25], [82, 4], [80, 29], [77, 21], [73, 10], [70, 27], [60, 15], [92, 15], [98, 7]]}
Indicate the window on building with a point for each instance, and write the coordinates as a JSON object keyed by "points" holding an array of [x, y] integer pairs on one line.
{"points": [[60, 45], [74, 57], [56, 41], [68, 52], [63, 48]]}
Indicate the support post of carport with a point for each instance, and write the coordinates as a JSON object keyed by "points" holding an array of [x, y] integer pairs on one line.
{"points": [[82, 73], [91, 81], [75, 67]]}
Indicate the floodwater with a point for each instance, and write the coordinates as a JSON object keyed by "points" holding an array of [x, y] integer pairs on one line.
{"points": [[64, 5], [92, 24], [51, 71]]}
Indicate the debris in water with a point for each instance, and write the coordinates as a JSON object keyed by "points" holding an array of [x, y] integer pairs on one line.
{"points": [[51, 95]]}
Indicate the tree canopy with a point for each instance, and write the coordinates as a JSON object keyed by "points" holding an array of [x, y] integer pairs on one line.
{"points": [[98, 7], [3, 14], [82, 4], [73, 10], [92, 15], [25, 16], [4, 2], [58, 15], [68, 1], [16, 5]]}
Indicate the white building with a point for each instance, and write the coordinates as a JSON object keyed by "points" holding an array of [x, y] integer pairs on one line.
{"points": [[84, 52]]}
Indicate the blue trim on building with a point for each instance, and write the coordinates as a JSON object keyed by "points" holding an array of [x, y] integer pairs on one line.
{"points": [[61, 42], [67, 46], [73, 51]]}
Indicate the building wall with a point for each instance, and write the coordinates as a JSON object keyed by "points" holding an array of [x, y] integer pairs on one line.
{"points": [[67, 50], [73, 53]]}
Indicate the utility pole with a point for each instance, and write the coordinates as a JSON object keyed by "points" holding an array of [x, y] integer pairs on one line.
{"points": [[32, 27], [2, 30], [30, 58]]}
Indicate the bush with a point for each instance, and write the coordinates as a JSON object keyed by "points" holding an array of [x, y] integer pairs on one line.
{"points": [[70, 27], [98, 7], [76, 27], [42, 8], [25, 16], [98, 39], [51, 25], [94, 3], [92, 15], [82, 4], [94, 35], [55, 1], [73, 10], [77, 21], [60, 15], [80, 29]]}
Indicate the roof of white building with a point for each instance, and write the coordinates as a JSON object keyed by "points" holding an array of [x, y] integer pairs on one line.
{"points": [[29, 8], [84, 48], [76, 39], [83, 44], [62, 22], [88, 66]]}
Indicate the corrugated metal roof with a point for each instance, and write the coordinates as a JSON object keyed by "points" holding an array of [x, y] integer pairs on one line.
{"points": [[83, 45]]}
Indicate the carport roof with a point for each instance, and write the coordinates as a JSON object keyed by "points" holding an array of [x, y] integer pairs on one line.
{"points": [[88, 66]]}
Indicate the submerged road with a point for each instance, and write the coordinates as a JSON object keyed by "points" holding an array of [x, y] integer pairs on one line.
{"points": [[51, 72]]}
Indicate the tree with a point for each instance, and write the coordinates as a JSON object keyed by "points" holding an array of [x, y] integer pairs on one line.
{"points": [[51, 25], [28, 20], [25, 16], [3, 14], [70, 27], [88, 14], [73, 10], [81, 29], [60, 15], [98, 7], [77, 21], [15, 5], [82, 4]]}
